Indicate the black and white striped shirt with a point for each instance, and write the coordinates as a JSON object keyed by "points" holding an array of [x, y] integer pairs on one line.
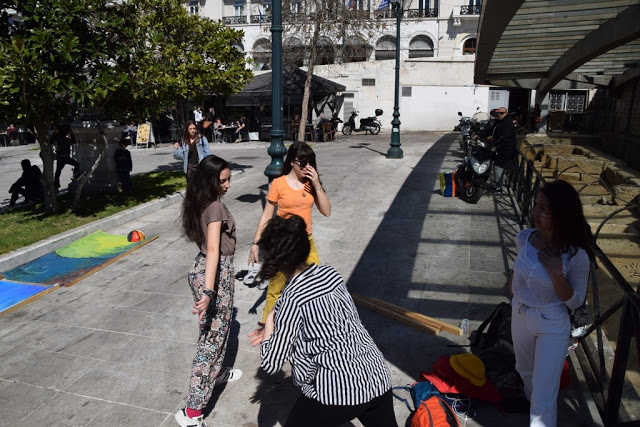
{"points": [[316, 328]]}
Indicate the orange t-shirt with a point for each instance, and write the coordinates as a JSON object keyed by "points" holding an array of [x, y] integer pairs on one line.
{"points": [[290, 201]]}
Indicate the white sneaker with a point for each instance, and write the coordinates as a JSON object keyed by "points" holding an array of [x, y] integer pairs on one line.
{"points": [[186, 421], [250, 278], [228, 375], [263, 285]]}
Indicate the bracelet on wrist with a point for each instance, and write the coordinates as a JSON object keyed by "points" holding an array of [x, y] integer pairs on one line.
{"points": [[208, 292]]}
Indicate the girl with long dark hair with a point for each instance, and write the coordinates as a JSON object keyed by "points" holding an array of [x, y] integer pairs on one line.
{"points": [[315, 326], [207, 222], [294, 192], [550, 273], [191, 149]]}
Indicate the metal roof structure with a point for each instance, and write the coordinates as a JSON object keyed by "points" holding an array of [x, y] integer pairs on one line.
{"points": [[542, 44]]}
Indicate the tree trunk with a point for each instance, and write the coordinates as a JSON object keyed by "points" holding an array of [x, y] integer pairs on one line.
{"points": [[84, 178], [307, 84], [46, 154]]}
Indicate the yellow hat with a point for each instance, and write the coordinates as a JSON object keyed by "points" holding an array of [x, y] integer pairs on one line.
{"points": [[470, 367]]}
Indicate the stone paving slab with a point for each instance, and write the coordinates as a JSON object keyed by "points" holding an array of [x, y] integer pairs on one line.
{"points": [[115, 348]]}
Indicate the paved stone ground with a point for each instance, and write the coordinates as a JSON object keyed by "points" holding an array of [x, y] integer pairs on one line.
{"points": [[116, 348]]}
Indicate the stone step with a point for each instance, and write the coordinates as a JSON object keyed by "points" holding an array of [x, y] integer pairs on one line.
{"points": [[626, 231]]}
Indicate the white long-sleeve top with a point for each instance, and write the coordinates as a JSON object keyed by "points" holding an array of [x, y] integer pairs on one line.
{"points": [[316, 328], [532, 284]]}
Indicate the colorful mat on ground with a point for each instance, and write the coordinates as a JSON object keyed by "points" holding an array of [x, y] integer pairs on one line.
{"points": [[13, 293], [65, 266]]}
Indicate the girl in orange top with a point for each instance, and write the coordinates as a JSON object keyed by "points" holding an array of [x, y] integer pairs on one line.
{"points": [[294, 192]]}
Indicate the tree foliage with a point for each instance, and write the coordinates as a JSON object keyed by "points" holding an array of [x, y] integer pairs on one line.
{"points": [[132, 58]]}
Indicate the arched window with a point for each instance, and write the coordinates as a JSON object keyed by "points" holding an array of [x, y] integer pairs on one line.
{"points": [[421, 47], [355, 49], [386, 48], [469, 47], [293, 52], [325, 53], [262, 55]]}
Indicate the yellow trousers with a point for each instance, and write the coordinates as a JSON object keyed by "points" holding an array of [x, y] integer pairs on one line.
{"points": [[276, 284]]}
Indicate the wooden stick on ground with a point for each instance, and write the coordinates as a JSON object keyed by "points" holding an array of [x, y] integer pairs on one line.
{"points": [[411, 318], [419, 316], [365, 302]]}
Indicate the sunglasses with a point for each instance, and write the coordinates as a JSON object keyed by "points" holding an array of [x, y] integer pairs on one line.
{"points": [[502, 113], [301, 163]]}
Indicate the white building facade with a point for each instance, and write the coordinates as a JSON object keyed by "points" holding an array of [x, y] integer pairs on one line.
{"points": [[437, 47]]}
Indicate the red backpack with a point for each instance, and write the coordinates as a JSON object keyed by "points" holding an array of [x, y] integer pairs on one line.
{"points": [[434, 412]]}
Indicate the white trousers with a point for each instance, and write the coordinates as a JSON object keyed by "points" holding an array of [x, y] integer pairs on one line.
{"points": [[540, 342]]}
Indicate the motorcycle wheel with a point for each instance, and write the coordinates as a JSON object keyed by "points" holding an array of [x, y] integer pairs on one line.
{"points": [[469, 192], [375, 128], [346, 129]]}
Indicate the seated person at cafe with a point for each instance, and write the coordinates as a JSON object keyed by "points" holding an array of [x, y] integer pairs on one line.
{"points": [[217, 130], [28, 185]]}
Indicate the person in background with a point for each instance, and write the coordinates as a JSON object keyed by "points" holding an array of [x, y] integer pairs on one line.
{"points": [[207, 222], [62, 141], [242, 129], [12, 131], [191, 149], [294, 192], [217, 130], [210, 117], [131, 132], [315, 326], [28, 185], [295, 125], [197, 117], [504, 136], [550, 274], [124, 165]]}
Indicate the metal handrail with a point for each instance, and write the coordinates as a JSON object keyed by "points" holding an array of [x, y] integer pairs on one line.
{"points": [[525, 181]]}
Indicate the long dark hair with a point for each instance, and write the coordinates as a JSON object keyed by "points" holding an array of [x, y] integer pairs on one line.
{"points": [[203, 190], [185, 136], [302, 152], [570, 228], [284, 243]]}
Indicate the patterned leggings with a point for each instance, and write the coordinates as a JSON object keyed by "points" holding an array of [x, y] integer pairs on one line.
{"points": [[214, 328]]}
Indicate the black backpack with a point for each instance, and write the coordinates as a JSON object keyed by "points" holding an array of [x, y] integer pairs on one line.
{"points": [[498, 330]]}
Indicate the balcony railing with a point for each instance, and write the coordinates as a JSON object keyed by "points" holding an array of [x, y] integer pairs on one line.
{"points": [[470, 10], [257, 19], [409, 13], [234, 20], [421, 13]]}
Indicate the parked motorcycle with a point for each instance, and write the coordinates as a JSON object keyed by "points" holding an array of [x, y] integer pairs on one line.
{"points": [[465, 128], [472, 176], [369, 124]]}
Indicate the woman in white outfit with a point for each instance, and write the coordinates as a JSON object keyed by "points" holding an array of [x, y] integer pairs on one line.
{"points": [[550, 273]]}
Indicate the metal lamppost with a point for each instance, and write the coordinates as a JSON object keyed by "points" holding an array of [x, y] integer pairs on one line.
{"points": [[395, 152], [276, 149]]}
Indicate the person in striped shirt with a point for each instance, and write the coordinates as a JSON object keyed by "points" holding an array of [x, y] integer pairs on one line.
{"points": [[315, 326]]}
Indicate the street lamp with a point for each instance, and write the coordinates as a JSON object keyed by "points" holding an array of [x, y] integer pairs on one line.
{"points": [[276, 149], [395, 152]]}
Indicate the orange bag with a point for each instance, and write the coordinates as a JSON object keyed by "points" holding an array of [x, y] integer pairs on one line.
{"points": [[206, 124], [434, 412]]}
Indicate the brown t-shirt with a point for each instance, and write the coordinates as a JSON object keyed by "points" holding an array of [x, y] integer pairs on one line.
{"points": [[217, 211]]}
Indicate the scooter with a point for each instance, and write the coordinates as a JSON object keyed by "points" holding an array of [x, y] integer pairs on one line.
{"points": [[370, 124], [473, 175]]}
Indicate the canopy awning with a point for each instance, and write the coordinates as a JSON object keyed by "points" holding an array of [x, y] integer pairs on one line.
{"points": [[258, 91], [542, 44]]}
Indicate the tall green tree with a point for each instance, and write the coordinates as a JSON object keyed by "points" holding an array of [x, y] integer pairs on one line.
{"points": [[177, 57], [129, 58]]}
